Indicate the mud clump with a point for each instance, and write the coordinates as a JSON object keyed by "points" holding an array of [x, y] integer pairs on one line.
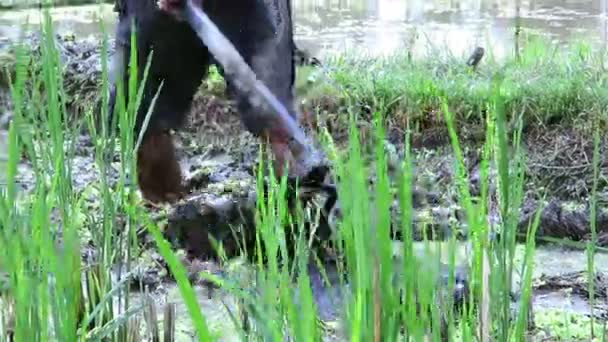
{"points": [[577, 282], [565, 221], [560, 161], [199, 224], [573, 287]]}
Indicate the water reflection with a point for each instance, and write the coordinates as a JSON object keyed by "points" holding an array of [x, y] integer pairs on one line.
{"points": [[384, 26], [81, 20]]}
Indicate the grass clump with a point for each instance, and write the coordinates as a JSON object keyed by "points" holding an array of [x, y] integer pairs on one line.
{"points": [[564, 327], [49, 293], [546, 84]]}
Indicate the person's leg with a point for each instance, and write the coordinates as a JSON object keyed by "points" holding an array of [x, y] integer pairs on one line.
{"points": [[179, 63], [263, 36]]}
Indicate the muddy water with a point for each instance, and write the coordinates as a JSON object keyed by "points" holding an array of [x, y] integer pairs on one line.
{"points": [[549, 261], [385, 26], [382, 26], [83, 20]]}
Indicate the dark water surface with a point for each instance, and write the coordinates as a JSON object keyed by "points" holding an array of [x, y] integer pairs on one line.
{"points": [[385, 26]]}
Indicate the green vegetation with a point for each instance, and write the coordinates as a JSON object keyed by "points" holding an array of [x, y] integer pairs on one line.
{"points": [[49, 294], [546, 84]]}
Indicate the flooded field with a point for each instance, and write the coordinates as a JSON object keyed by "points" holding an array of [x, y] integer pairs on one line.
{"points": [[384, 26]]}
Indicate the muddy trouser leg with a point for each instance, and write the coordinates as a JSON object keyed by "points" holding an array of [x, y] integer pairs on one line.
{"points": [[179, 64], [267, 46]]}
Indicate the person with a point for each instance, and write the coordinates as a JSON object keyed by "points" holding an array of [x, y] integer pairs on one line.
{"points": [[262, 32]]}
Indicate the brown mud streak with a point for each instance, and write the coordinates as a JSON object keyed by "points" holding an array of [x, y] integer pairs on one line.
{"points": [[159, 172]]}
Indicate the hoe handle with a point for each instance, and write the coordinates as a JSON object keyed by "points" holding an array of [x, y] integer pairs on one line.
{"points": [[236, 69]]}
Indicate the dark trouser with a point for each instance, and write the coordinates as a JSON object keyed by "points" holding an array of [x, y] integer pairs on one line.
{"points": [[260, 30]]}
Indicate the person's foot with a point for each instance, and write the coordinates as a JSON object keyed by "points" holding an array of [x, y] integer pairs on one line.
{"points": [[159, 172]]}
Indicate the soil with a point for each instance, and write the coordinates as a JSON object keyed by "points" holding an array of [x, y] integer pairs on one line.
{"points": [[218, 157]]}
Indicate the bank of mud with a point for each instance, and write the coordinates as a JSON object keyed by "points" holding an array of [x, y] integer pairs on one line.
{"points": [[218, 159]]}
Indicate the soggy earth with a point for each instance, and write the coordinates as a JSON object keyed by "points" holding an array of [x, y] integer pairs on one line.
{"points": [[218, 156]]}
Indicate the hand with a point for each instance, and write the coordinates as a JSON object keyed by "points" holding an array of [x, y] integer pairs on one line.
{"points": [[173, 7]]}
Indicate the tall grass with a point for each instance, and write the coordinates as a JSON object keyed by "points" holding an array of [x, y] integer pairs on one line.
{"points": [[545, 83], [389, 293], [50, 294]]}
